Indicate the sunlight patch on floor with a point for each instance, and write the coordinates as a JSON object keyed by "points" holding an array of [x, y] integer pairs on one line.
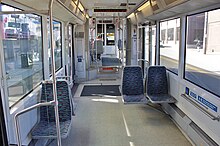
{"points": [[106, 100], [131, 143]]}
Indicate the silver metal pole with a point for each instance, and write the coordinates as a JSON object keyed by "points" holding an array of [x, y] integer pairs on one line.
{"points": [[17, 130], [71, 55], [123, 39], [54, 75]]}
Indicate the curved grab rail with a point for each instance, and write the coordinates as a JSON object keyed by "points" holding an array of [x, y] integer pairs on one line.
{"points": [[213, 117], [143, 60], [24, 111]]}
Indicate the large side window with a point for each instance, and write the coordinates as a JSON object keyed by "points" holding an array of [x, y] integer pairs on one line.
{"points": [[169, 44], [58, 45], [22, 47], [202, 65]]}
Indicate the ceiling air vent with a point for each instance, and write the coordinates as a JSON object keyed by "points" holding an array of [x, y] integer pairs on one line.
{"points": [[131, 4], [110, 10], [105, 21]]}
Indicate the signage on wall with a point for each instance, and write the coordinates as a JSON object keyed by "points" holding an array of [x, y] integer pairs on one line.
{"points": [[202, 101], [80, 58], [134, 42]]}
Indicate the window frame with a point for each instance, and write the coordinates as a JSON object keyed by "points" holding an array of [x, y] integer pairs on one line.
{"points": [[42, 52]]}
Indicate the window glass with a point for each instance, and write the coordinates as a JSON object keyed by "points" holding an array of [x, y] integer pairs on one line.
{"points": [[101, 33], [178, 33], [203, 50], [170, 34], [110, 34], [169, 44], [57, 46], [22, 47]]}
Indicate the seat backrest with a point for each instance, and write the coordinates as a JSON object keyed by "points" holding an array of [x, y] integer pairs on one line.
{"points": [[157, 80], [132, 81], [99, 45], [47, 113]]}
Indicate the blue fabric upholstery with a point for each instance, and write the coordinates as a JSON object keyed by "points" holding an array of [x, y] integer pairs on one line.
{"points": [[132, 84], [157, 86], [46, 128], [157, 80]]}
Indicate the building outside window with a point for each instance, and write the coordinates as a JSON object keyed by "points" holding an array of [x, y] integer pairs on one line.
{"points": [[57, 47], [203, 50], [169, 44], [22, 47], [110, 34]]}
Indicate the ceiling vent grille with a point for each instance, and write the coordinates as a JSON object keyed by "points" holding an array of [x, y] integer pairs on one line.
{"points": [[110, 10], [105, 21]]}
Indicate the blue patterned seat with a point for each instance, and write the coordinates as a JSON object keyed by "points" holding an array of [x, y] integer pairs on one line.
{"points": [[157, 86], [46, 127], [132, 85]]}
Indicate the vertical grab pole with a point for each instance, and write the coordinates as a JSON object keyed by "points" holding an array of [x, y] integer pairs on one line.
{"points": [[123, 39], [53, 74]]}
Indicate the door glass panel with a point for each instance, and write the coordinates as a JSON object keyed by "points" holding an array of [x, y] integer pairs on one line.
{"points": [[110, 34]]}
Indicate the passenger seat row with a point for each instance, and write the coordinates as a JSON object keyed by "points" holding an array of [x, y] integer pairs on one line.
{"points": [[132, 87]]}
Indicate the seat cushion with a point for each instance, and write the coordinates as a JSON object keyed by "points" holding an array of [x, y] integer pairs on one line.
{"points": [[135, 99], [161, 98], [48, 129]]}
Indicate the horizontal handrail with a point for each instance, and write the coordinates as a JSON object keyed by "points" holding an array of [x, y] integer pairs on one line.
{"points": [[143, 60], [200, 108], [25, 12], [27, 110]]}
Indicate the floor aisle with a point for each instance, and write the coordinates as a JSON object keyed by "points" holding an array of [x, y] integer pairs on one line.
{"points": [[106, 121]]}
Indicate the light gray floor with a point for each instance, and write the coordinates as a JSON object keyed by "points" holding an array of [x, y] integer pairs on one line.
{"points": [[106, 121]]}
